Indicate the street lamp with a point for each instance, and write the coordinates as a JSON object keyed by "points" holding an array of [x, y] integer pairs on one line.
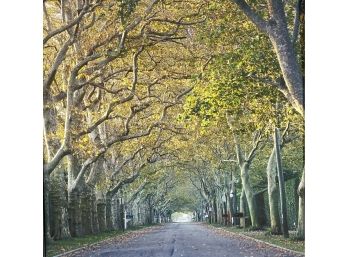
{"points": [[232, 205]]}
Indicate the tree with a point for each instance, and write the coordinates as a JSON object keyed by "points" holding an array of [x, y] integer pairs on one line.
{"points": [[116, 77], [277, 29], [100, 76], [292, 82]]}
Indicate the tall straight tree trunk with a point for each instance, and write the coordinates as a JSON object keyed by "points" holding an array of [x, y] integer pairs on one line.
{"points": [[95, 224], [282, 193], [150, 220], [242, 208], [273, 194], [114, 211], [138, 214], [301, 210], [74, 199], [108, 214], [118, 214], [215, 210], [86, 211], [59, 206], [74, 213], [47, 234], [249, 195], [101, 215]]}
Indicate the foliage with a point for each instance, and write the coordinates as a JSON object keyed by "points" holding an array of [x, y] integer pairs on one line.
{"points": [[138, 91]]}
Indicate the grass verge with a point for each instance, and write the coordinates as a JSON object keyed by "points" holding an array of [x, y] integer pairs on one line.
{"points": [[61, 246], [264, 235]]}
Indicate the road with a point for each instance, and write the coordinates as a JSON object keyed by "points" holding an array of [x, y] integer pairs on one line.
{"points": [[186, 240]]}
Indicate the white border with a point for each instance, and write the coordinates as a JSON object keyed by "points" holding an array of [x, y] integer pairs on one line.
{"points": [[326, 128], [20, 129], [21, 133]]}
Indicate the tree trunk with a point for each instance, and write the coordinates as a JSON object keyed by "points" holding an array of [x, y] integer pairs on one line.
{"points": [[233, 199], [74, 199], [300, 234], [284, 214], [74, 212], [215, 211], [46, 181], [289, 65], [273, 194], [242, 208], [249, 194], [150, 218], [95, 224], [108, 210], [59, 206], [101, 216], [86, 211], [118, 213], [139, 216]]}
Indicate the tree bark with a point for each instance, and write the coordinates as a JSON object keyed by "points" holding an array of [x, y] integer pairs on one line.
{"points": [[47, 233], [284, 214], [290, 67], [75, 225], [108, 210], [101, 215], [59, 206], [242, 208], [300, 233], [118, 214], [215, 209], [273, 194], [74, 198], [249, 194], [86, 211], [150, 211], [95, 224]]}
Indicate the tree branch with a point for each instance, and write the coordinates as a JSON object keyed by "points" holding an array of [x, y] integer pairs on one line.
{"points": [[127, 160], [126, 181], [50, 166], [256, 146], [57, 62], [137, 192], [84, 167], [84, 10], [260, 23]]}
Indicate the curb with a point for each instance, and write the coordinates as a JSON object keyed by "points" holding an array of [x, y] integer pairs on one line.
{"points": [[263, 242]]}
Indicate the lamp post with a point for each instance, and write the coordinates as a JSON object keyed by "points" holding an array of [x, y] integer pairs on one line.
{"points": [[210, 214], [232, 209], [233, 181]]}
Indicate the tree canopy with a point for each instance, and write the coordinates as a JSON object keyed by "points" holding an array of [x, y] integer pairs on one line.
{"points": [[159, 103]]}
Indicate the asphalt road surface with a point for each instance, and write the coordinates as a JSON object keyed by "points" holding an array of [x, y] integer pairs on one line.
{"points": [[187, 240]]}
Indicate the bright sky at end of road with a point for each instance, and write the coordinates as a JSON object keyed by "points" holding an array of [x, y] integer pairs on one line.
{"points": [[181, 217]]}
